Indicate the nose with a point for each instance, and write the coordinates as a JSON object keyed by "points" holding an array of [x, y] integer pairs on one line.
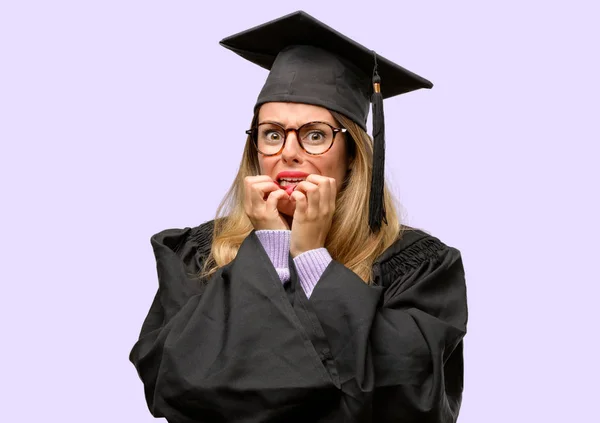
{"points": [[292, 152]]}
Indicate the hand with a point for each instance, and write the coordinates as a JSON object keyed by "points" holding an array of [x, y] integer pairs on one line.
{"points": [[315, 204], [261, 195]]}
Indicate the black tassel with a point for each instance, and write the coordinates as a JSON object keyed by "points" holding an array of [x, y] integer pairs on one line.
{"points": [[377, 213]]}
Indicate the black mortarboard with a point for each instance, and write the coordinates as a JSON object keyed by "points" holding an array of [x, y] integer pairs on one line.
{"points": [[312, 63]]}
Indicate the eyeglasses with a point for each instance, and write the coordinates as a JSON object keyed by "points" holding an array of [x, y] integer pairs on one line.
{"points": [[315, 138]]}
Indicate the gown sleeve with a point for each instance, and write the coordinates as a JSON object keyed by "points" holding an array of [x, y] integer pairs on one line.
{"points": [[402, 348], [230, 349]]}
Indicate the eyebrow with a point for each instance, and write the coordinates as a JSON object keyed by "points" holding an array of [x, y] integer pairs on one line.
{"points": [[271, 121]]}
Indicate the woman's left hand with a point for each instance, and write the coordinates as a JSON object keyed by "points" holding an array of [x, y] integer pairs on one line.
{"points": [[315, 204]]}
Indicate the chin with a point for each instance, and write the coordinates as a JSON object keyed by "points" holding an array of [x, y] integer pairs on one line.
{"points": [[287, 208]]}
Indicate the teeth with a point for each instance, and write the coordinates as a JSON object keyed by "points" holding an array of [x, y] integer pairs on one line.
{"points": [[289, 181]]}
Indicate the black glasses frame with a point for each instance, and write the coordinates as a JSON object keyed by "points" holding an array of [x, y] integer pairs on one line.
{"points": [[253, 132]]}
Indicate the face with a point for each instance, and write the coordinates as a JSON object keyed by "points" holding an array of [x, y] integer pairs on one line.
{"points": [[334, 163]]}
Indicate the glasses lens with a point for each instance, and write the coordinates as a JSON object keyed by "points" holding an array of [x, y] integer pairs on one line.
{"points": [[269, 138], [316, 137]]}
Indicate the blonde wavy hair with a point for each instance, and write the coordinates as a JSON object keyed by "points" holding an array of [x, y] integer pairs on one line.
{"points": [[349, 241]]}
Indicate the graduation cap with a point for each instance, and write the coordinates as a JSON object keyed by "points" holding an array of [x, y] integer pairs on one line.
{"points": [[311, 63]]}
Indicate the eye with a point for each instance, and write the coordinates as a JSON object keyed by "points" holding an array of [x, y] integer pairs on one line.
{"points": [[315, 136], [273, 136]]}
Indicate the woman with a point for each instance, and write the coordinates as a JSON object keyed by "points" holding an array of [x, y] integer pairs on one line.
{"points": [[306, 300]]}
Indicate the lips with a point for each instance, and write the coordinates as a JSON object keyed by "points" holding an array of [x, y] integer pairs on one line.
{"points": [[288, 185], [288, 180], [289, 188]]}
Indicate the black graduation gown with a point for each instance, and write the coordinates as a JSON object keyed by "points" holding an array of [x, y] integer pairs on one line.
{"points": [[241, 347]]}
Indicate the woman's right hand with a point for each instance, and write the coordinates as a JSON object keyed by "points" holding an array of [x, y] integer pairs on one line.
{"points": [[261, 195]]}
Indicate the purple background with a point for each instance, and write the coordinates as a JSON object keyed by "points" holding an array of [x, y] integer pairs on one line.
{"points": [[121, 118]]}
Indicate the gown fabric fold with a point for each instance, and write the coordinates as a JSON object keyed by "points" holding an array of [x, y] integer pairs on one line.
{"points": [[242, 347]]}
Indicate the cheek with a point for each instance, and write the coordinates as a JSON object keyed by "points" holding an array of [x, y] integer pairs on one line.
{"points": [[262, 165], [286, 207], [337, 169], [266, 165]]}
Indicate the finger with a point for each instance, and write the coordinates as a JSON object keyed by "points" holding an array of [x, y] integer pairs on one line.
{"points": [[320, 180], [261, 190], [301, 202], [333, 192], [249, 181], [254, 198], [305, 186], [313, 195], [328, 190], [274, 198], [324, 198], [317, 179], [265, 187]]}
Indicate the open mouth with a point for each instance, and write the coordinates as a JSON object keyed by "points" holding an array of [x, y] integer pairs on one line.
{"points": [[289, 180], [284, 182], [289, 184]]}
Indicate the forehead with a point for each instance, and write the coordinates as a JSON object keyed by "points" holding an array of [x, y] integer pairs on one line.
{"points": [[294, 113]]}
